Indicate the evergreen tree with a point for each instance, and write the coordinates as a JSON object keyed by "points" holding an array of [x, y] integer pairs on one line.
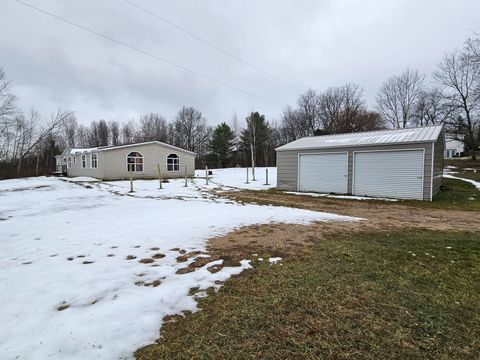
{"points": [[222, 143], [257, 134]]}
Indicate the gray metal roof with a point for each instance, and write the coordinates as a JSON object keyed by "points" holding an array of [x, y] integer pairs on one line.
{"points": [[76, 151], [367, 138]]}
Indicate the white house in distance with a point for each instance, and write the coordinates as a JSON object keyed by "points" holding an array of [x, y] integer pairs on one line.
{"points": [[453, 147], [116, 162]]}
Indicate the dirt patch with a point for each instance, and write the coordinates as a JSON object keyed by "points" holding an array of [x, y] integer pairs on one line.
{"points": [[154, 248], [154, 283], [146, 261], [215, 268], [284, 239], [158, 256], [63, 307], [111, 255], [87, 262], [130, 257], [70, 258], [187, 256]]}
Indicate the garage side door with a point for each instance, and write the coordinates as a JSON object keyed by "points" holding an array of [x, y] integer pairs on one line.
{"points": [[394, 174], [326, 173]]}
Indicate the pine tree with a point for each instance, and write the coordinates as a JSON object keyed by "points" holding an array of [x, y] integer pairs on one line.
{"points": [[222, 143]]}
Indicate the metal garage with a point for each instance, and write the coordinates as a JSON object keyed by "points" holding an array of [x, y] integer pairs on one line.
{"points": [[401, 163]]}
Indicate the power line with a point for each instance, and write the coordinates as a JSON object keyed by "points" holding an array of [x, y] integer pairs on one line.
{"points": [[212, 45], [144, 52]]}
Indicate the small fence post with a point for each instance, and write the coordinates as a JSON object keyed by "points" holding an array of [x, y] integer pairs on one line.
{"points": [[206, 175], [186, 176], [247, 175], [266, 177], [131, 181], [159, 176]]}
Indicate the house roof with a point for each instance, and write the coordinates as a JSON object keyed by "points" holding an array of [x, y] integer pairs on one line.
{"points": [[367, 138], [77, 151]]}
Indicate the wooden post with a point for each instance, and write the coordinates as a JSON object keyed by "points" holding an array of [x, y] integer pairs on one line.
{"points": [[266, 177], [206, 175], [247, 175], [159, 176], [131, 181], [253, 162], [186, 176]]}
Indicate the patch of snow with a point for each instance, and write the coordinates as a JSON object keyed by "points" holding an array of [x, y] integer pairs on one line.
{"points": [[236, 178], [274, 260], [81, 179], [473, 182], [449, 247], [349, 197], [67, 290]]}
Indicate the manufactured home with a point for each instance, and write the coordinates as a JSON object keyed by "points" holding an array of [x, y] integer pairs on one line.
{"points": [[117, 162], [401, 163]]}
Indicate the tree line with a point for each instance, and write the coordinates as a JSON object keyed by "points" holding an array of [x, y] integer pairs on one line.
{"points": [[449, 96]]}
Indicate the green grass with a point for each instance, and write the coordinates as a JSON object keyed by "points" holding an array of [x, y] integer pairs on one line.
{"points": [[366, 297], [455, 194]]}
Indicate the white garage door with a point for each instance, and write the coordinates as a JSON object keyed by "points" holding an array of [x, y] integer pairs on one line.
{"points": [[326, 173], [395, 174]]}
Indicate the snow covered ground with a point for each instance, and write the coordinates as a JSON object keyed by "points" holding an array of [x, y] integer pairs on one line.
{"points": [[71, 280]]}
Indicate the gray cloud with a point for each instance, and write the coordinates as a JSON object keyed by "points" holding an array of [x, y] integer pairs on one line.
{"points": [[306, 43]]}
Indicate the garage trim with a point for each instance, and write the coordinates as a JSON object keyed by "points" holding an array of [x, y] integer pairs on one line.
{"points": [[390, 150], [320, 153]]}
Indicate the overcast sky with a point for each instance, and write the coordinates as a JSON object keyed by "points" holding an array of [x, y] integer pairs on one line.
{"points": [[309, 43]]}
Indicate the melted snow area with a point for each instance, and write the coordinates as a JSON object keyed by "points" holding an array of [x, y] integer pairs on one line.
{"points": [[72, 283]]}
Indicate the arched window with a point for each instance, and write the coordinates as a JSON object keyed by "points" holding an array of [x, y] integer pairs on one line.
{"points": [[173, 162], [134, 162]]}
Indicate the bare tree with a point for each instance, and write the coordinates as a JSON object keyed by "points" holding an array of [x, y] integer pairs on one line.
{"points": [[152, 127], [114, 132], [190, 130], [342, 110], [293, 125], [32, 133], [103, 133], [70, 130], [432, 108], [308, 109], [398, 96], [7, 98], [82, 136], [128, 132], [459, 75]]}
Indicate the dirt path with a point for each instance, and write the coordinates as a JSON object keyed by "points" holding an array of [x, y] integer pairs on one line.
{"points": [[280, 239]]}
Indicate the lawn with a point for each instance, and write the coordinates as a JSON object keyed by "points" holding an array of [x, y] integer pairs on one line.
{"points": [[90, 270], [455, 194], [385, 295]]}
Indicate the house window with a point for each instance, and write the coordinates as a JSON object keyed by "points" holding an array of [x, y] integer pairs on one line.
{"points": [[84, 161], [93, 161], [74, 159], [134, 161], [173, 162], [69, 162]]}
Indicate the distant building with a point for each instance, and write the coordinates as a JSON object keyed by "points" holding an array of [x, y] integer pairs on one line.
{"points": [[453, 147], [116, 162]]}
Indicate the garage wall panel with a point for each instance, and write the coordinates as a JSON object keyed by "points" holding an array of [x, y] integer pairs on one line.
{"points": [[325, 173], [393, 173]]}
